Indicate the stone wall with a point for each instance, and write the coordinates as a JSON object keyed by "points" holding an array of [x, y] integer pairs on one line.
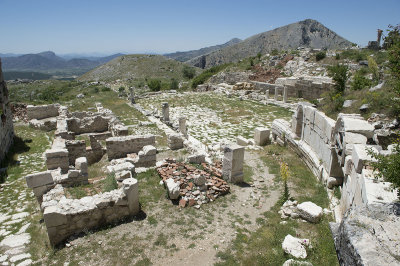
{"points": [[6, 123], [90, 124], [119, 147], [65, 217], [42, 111]]}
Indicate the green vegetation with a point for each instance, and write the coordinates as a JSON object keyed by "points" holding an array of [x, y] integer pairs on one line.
{"points": [[203, 77], [189, 72], [110, 183], [154, 84], [339, 76], [320, 55], [360, 82], [174, 85], [388, 166], [284, 171]]}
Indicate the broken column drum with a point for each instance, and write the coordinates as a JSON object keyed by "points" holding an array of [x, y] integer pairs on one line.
{"points": [[232, 166], [182, 126], [165, 112]]}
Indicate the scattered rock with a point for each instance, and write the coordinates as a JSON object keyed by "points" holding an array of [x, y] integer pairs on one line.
{"points": [[295, 246], [310, 211]]}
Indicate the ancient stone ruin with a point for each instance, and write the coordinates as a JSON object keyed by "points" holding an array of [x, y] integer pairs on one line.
{"points": [[67, 162], [6, 124]]}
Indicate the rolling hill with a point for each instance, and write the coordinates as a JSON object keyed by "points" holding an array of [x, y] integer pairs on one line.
{"points": [[48, 62], [137, 66], [306, 33], [185, 56]]}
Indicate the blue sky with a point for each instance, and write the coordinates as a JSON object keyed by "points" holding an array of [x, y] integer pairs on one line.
{"points": [[86, 26]]}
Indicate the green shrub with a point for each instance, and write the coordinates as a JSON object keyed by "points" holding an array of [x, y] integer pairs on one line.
{"points": [[337, 57], [259, 55], [275, 52], [203, 77], [189, 72], [121, 89], [339, 76], [360, 82], [320, 55], [174, 85], [373, 68], [154, 84], [105, 89], [388, 166]]}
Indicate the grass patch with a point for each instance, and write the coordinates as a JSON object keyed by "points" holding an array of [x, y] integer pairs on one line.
{"points": [[109, 183]]}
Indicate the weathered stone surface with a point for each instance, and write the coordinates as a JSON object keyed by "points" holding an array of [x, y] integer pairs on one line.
{"points": [[369, 236], [182, 126], [232, 167], [173, 188], [82, 165], [7, 127], [292, 262], [242, 141], [165, 111], [175, 141], [119, 147], [261, 136], [310, 211], [295, 246], [54, 217], [88, 124], [42, 111], [360, 156], [46, 124], [76, 149], [197, 158], [131, 190], [39, 179], [57, 158], [125, 166]]}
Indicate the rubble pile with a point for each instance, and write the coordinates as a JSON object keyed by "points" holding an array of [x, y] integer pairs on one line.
{"points": [[192, 185], [19, 112]]}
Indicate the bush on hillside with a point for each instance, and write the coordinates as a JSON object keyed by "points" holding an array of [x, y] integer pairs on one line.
{"points": [[320, 55], [360, 82], [174, 85], [339, 74], [189, 72], [203, 77], [154, 84]]}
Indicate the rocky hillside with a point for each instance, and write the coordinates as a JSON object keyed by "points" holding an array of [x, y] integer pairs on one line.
{"points": [[307, 33], [185, 56], [137, 67]]}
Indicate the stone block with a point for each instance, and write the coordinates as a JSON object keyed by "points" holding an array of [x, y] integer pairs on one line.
{"points": [[56, 158], [197, 158], [175, 141], [310, 211], [42, 111], [125, 166], [165, 111], [360, 156], [82, 165], [261, 136], [39, 179], [232, 167], [123, 175], [242, 141], [131, 190], [54, 217], [172, 188], [119, 147], [149, 150], [76, 149]]}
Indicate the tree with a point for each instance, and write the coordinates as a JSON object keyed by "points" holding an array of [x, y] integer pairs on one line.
{"points": [[392, 44], [339, 76], [320, 55], [154, 84], [284, 170], [188, 72], [388, 166], [174, 85]]}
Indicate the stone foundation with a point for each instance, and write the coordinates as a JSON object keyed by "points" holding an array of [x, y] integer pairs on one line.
{"points": [[119, 147]]}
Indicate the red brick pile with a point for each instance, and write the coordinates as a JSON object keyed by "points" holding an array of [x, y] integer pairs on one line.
{"points": [[190, 193]]}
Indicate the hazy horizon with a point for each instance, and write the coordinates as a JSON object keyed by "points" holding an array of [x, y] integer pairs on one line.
{"points": [[160, 27]]}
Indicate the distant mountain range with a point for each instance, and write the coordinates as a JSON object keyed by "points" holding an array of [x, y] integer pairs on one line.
{"points": [[49, 62], [185, 56], [306, 33]]}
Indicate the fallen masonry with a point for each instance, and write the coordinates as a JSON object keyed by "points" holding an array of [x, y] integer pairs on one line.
{"points": [[192, 185]]}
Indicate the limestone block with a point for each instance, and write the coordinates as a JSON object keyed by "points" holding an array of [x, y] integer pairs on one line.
{"points": [[334, 181], [123, 175], [172, 188], [126, 166], [149, 150], [310, 211], [42, 111], [182, 126], [119, 147], [357, 125], [295, 246], [39, 179], [175, 141], [197, 158], [360, 156], [242, 141], [82, 165], [309, 114], [348, 164], [56, 158], [54, 217], [165, 111], [131, 190], [76, 149], [232, 167], [261, 136]]}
